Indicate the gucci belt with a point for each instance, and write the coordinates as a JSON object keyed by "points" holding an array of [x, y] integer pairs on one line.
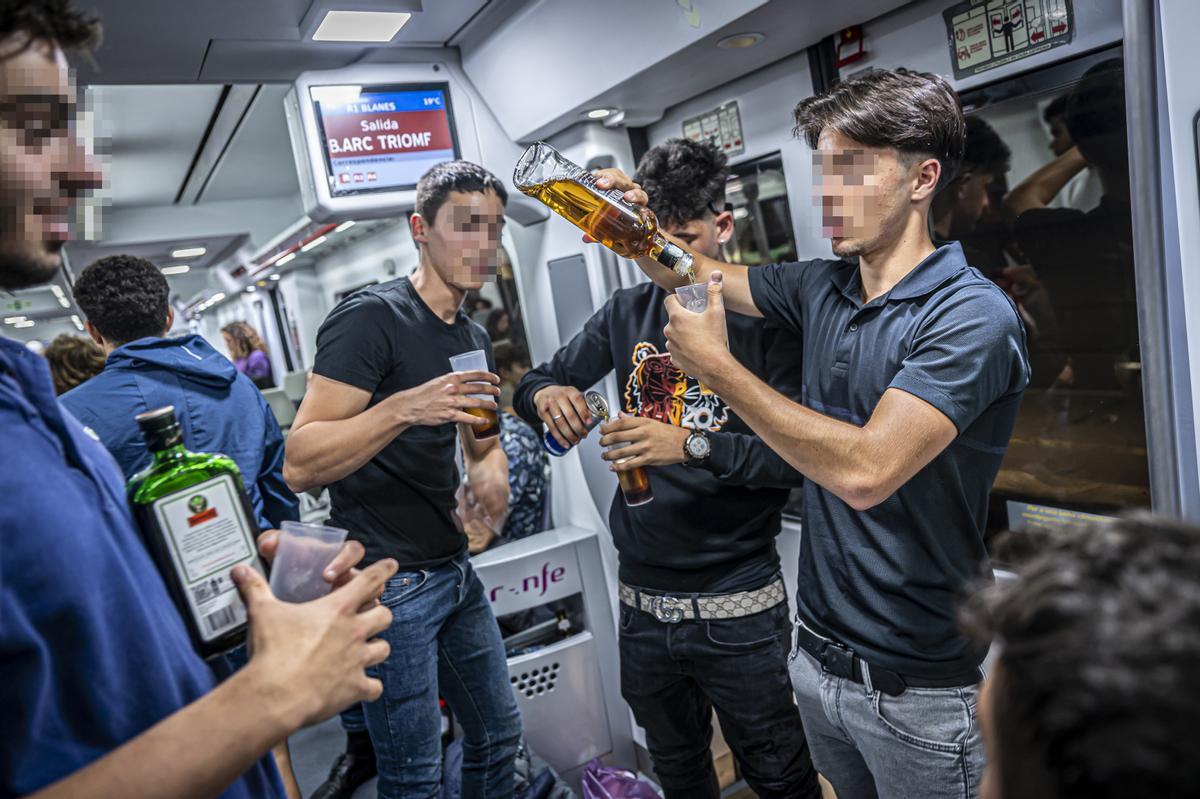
{"points": [[691, 607]]}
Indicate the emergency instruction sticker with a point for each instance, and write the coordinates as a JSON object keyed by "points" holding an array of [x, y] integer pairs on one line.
{"points": [[985, 34], [208, 534]]}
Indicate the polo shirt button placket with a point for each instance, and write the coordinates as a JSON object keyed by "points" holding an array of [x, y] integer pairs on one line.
{"points": [[854, 327]]}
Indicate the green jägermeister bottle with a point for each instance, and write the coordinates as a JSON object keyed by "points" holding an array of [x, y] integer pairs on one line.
{"points": [[198, 524]]}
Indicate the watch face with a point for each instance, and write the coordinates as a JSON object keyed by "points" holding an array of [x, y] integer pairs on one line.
{"points": [[698, 446]]}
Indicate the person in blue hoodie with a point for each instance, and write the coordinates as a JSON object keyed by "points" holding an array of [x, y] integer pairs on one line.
{"points": [[125, 301]]}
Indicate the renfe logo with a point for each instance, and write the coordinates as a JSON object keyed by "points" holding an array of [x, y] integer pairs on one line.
{"points": [[534, 583]]}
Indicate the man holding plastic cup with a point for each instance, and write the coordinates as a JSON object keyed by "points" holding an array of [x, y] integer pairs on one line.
{"points": [[709, 533], [378, 425]]}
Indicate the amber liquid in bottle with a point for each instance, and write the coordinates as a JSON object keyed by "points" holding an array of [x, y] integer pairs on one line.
{"points": [[635, 485], [629, 230]]}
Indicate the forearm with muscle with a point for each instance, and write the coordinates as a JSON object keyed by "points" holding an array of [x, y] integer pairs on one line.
{"points": [[323, 452], [1037, 190], [197, 752], [860, 465], [486, 460]]}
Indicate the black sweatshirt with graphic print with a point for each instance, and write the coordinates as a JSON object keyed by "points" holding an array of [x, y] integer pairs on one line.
{"points": [[710, 529]]}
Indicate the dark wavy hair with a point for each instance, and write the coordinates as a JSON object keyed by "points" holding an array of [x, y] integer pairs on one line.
{"points": [[683, 178], [73, 360], [55, 21], [1095, 693], [916, 113], [124, 297], [435, 185]]}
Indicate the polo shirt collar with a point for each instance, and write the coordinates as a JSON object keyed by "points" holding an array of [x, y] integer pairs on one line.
{"points": [[942, 264]]}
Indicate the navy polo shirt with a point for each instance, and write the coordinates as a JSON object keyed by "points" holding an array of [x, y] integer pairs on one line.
{"points": [[92, 651], [888, 581]]}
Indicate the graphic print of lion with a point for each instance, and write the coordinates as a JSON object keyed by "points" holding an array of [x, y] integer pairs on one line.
{"points": [[658, 389]]}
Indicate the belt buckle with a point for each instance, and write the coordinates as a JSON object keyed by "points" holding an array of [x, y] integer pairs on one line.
{"points": [[837, 659], [667, 609]]}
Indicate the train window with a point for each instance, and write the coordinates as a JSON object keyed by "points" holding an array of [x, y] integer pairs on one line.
{"points": [[762, 218], [1042, 207]]}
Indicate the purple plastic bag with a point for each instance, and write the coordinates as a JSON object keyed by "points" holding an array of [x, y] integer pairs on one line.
{"points": [[603, 782]]}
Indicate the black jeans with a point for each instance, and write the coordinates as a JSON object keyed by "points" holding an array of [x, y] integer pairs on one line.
{"points": [[673, 675]]}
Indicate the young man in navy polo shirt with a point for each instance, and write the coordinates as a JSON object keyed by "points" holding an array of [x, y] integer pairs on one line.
{"points": [[103, 694], [914, 367]]}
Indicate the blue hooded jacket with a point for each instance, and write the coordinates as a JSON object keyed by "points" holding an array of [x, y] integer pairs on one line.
{"points": [[219, 409]]}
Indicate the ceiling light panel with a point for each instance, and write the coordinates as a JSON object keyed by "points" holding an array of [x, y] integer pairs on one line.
{"points": [[360, 26], [189, 252]]}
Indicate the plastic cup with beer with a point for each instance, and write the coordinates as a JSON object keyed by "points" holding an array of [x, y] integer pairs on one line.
{"points": [[476, 361], [305, 551]]}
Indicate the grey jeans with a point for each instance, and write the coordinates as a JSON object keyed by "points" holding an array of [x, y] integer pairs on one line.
{"points": [[924, 743]]}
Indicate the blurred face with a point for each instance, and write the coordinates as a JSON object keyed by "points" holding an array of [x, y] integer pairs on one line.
{"points": [[1060, 139], [44, 167], [971, 202], [463, 239], [706, 234], [865, 193]]}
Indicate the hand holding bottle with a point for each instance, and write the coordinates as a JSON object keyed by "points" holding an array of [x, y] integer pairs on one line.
{"points": [[613, 178], [565, 413]]}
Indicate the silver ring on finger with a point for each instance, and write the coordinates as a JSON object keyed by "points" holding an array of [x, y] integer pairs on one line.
{"points": [[556, 418]]}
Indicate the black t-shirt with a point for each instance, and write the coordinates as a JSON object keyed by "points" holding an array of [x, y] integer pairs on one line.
{"points": [[400, 504]]}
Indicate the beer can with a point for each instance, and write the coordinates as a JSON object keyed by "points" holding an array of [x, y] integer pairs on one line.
{"points": [[597, 405]]}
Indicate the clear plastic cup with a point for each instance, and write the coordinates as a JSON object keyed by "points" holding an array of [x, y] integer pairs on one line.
{"points": [[694, 297], [305, 550], [476, 361]]}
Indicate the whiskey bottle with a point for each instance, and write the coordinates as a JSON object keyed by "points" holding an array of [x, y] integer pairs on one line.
{"points": [[629, 230]]}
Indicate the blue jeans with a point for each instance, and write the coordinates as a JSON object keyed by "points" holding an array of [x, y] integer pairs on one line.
{"points": [[444, 640], [869, 744]]}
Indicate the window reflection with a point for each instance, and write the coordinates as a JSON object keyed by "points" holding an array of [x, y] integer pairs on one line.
{"points": [[1053, 228]]}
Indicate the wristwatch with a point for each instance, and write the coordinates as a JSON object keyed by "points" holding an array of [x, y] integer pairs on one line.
{"points": [[696, 449]]}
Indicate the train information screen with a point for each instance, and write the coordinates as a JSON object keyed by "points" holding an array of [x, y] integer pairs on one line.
{"points": [[383, 138]]}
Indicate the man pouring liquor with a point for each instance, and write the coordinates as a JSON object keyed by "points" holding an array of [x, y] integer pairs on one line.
{"points": [[703, 608], [914, 368]]}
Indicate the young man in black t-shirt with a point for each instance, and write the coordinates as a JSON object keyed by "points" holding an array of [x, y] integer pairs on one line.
{"points": [[707, 541], [378, 426]]}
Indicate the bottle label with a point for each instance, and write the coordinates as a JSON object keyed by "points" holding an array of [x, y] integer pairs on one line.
{"points": [[207, 533]]}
